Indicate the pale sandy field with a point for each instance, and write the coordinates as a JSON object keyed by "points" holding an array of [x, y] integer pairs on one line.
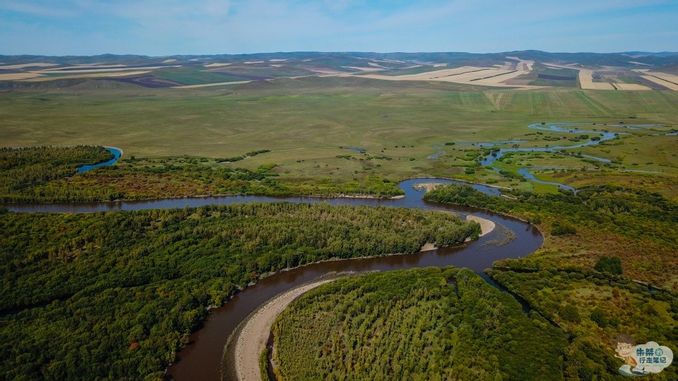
{"points": [[21, 66], [426, 76], [586, 81], [374, 64], [210, 85], [470, 75], [364, 68], [631, 86], [667, 80], [101, 70], [217, 64], [18, 76], [89, 75], [91, 66]]}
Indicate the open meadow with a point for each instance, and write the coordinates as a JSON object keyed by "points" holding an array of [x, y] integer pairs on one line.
{"points": [[346, 129]]}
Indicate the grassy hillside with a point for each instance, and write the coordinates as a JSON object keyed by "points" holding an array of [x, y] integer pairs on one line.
{"points": [[425, 324]]}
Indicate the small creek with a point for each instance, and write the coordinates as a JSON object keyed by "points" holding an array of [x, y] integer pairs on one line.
{"points": [[597, 138], [117, 154]]}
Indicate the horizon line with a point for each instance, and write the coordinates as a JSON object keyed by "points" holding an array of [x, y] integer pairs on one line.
{"points": [[335, 52]]}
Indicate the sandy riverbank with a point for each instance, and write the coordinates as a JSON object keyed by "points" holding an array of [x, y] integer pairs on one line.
{"points": [[251, 339], [486, 226]]}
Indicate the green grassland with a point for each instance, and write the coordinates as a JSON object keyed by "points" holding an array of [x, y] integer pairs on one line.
{"points": [[305, 123], [424, 324]]}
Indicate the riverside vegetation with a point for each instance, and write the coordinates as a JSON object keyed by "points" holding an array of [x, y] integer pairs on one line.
{"points": [[25, 171], [48, 174], [115, 295], [607, 272]]}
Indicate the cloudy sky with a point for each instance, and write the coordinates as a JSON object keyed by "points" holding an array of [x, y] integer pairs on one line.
{"points": [[166, 27]]}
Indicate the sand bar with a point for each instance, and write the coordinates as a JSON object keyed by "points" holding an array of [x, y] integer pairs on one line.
{"points": [[486, 226], [251, 339]]}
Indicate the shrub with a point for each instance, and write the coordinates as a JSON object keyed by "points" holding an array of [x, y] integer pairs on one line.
{"points": [[562, 228], [610, 265], [598, 316], [570, 313]]}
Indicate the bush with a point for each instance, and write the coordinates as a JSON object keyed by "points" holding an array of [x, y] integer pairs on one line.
{"points": [[570, 313], [562, 228], [610, 265], [598, 316]]}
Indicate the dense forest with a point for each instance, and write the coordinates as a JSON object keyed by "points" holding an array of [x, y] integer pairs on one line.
{"points": [[422, 324], [24, 169], [114, 295], [48, 174]]}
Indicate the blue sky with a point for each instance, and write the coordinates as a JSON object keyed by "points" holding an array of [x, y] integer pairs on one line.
{"points": [[166, 27]]}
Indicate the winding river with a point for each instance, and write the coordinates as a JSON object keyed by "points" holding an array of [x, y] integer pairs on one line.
{"points": [[203, 358], [598, 137]]}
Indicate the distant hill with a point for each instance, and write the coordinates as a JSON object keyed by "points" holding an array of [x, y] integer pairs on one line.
{"points": [[610, 59], [528, 69]]}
